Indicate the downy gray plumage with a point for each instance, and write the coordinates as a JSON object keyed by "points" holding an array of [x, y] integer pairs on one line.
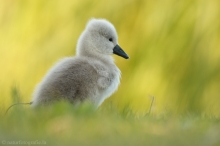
{"points": [[91, 75]]}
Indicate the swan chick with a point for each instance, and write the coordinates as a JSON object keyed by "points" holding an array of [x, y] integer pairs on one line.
{"points": [[91, 75]]}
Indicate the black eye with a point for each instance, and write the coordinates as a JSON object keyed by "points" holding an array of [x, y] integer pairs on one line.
{"points": [[110, 39]]}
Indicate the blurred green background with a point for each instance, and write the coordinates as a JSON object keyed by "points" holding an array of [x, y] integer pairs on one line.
{"points": [[174, 49]]}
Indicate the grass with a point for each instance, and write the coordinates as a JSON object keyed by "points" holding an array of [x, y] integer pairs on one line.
{"points": [[83, 125]]}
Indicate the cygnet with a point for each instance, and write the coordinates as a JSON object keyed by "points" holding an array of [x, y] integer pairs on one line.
{"points": [[89, 76]]}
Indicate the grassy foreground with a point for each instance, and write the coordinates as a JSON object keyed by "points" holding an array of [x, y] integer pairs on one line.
{"points": [[63, 124]]}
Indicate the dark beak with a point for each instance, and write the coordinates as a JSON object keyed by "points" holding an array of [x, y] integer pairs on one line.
{"points": [[118, 51]]}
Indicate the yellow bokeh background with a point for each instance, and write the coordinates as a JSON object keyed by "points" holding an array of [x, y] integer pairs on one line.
{"points": [[174, 49]]}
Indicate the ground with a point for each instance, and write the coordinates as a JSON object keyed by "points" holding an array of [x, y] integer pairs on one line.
{"points": [[83, 125]]}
